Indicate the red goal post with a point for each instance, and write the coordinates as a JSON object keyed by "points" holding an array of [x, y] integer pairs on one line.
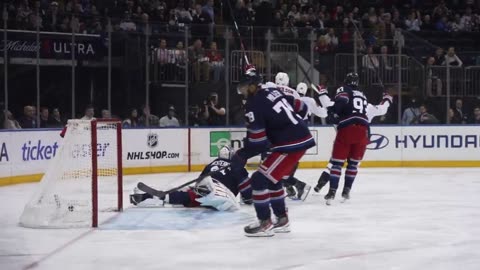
{"points": [[95, 169]]}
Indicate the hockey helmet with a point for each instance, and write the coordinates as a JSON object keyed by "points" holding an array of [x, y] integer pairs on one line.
{"points": [[250, 77], [302, 88], [225, 152], [282, 79], [352, 79]]}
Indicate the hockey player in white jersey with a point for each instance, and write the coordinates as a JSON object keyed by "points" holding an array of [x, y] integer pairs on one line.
{"points": [[312, 105]]}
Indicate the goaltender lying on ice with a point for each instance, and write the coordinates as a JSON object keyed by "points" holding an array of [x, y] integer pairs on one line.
{"points": [[217, 188]]}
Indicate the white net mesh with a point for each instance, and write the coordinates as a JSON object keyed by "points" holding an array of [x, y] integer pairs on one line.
{"points": [[64, 196]]}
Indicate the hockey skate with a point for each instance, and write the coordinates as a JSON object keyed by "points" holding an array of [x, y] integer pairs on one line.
{"points": [[261, 228], [345, 194], [282, 225], [302, 190], [322, 181], [330, 196]]}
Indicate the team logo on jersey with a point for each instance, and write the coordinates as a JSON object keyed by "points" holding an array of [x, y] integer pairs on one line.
{"points": [[152, 140], [377, 142]]}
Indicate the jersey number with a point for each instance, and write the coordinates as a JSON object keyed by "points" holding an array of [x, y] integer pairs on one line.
{"points": [[215, 168], [359, 105], [283, 105]]}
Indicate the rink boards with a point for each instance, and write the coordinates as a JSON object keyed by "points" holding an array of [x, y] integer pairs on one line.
{"points": [[25, 154]]}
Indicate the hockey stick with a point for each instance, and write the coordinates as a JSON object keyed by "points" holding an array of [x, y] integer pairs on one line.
{"points": [[158, 193], [370, 60], [242, 47]]}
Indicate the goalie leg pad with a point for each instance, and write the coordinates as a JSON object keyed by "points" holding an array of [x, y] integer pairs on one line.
{"points": [[220, 197]]}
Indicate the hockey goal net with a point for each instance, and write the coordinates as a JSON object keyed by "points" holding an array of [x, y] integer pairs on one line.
{"points": [[83, 179]]}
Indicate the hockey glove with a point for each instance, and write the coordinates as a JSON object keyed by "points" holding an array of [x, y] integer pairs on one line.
{"points": [[387, 98]]}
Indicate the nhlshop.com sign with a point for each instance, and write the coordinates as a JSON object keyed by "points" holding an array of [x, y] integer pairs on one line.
{"points": [[154, 147]]}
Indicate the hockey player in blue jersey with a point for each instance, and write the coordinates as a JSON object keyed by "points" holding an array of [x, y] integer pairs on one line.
{"points": [[354, 116], [273, 121], [203, 194]]}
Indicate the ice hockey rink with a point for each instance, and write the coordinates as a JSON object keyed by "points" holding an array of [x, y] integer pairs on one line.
{"points": [[397, 219]]}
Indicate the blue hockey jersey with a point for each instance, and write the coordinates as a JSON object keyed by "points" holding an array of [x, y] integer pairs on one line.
{"points": [[351, 107], [275, 121], [236, 182]]}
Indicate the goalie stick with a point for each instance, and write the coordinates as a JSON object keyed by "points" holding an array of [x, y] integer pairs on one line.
{"points": [[158, 193]]}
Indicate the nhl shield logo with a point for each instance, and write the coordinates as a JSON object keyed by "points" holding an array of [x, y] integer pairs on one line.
{"points": [[152, 140]]}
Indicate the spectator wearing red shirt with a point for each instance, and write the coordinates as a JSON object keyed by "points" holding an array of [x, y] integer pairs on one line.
{"points": [[215, 59]]}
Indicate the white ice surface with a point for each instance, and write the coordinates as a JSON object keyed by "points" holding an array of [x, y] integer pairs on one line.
{"points": [[418, 219]]}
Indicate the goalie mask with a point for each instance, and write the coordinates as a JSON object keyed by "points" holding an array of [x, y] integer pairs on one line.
{"points": [[302, 89], [225, 152], [282, 79]]}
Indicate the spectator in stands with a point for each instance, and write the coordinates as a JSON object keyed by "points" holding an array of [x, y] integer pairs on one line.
{"points": [[44, 120], [169, 120], [52, 18], [89, 113], [397, 19], [106, 114], [201, 21], [286, 31], [476, 116], [195, 117], [452, 59], [28, 119], [331, 39], [180, 61], [165, 60], [10, 122], [319, 22], [132, 120], [182, 14], [56, 119], [442, 24], [411, 113], [385, 61], [440, 11], [456, 26], [427, 23], [467, 22], [433, 81], [277, 20], [459, 116], [439, 56], [147, 119], [215, 59], [322, 47], [127, 24], [294, 13], [425, 118], [370, 61], [200, 65], [213, 112], [413, 21]]}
